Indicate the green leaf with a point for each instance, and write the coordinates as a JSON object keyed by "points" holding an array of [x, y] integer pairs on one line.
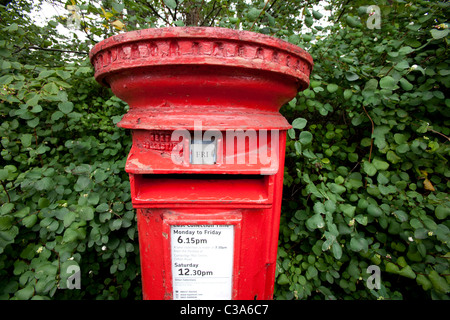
{"points": [[253, 13], [299, 123], [439, 34], [33, 101], [331, 87], [86, 213], [359, 244], [348, 94], [347, 209], [336, 250], [45, 183], [380, 165], [26, 139], [388, 83], [405, 84], [6, 79], [103, 207], [65, 107], [317, 15], [6, 208], [442, 212], [309, 21], [282, 279], [439, 283], [298, 147], [69, 218], [351, 76], [30, 221], [311, 272], [71, 235], [36, 109], [118, 7], [4, 174], [371, 85], [392, 268], [374, 210], [291, 133], [305, 137], [352, 22], [57, 115], [45, 74], [25, 293], [82, 183], [402, 65], [33, 122], [51, 88], [361, 219], [116, 224], [369, 168], [319, 208], [404, 51], [407, 272], [336, 188], [5, 222], [392, 157], [315, 222], [64, 74], [424, 282], [401, 215], [170, 3]]}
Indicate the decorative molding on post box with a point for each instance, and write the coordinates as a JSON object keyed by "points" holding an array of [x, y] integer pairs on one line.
{"points": [[212, 46], [172, 77]]}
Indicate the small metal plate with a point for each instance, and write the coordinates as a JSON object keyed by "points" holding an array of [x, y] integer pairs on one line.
{"points": [[203, 152]]}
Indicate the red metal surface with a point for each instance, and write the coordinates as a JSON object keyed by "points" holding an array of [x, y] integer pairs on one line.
{"points": [[202, 81], [228, 78]]}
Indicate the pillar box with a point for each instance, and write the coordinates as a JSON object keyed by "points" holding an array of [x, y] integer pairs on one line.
{"points": [[207, 160]]}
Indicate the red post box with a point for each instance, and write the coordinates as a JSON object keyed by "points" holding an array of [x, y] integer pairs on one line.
{"points": [[206, 164]]}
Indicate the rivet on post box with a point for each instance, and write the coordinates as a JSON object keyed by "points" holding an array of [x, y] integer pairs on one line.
{"points": [[207, 156]]}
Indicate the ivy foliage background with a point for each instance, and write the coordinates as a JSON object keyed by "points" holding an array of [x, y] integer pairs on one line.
{"points": [[366, 175]]}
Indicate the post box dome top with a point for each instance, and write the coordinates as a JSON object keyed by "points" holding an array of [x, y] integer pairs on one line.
{"points": [[199, 46]]}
